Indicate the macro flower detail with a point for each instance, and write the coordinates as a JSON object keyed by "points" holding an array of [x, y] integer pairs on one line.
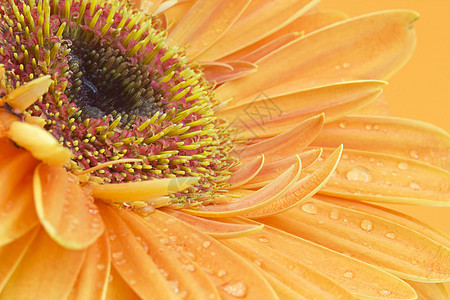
{"points": [[212, 150]]}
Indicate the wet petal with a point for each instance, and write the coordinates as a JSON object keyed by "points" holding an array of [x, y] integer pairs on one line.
{"points": [[302, 189], [93, 279], [11, 254], [401, 137], [205, 23], [435, 291], [216, 229], [365, 280], [67, 213], [220, 72], [259, 199], [47, 271], [282, 290], [371, 46], [375, 240], [40, 143], [302, 279], [132, 261], [385, 178], [141, 191], [247, 172], [118, 289], [17, 210], [233, 276], [259, 20], [336, 101], [285, 144]]}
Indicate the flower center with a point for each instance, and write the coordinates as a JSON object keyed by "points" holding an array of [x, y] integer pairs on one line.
{"points": [[118, 92]]}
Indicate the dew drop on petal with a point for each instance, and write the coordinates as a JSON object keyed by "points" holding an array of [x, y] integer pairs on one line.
{"points": [[390, 235], [366, 225], [384, 292], [414, 185], [117, 255], [403, 165], [343, 124], [236, 289], [190, 268], [112, 236], [369, 127], [359, 174], [263, 239], [413, 154], [101, 267], [348, 274], [206, 244], [310, 208], [334, 214], [221, 273]]}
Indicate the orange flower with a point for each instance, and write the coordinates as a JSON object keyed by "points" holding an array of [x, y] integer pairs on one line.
{"points": [[194, 150]]}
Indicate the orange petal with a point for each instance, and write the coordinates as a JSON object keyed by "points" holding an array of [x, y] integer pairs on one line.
{"points": [[385, 178], [395, 136], [11, 254], [302, 279], [6, 119], [47, 271], [302, 189], [141, 191], [40, 143], [175, 13], [118, 289], [378, 107], [247, 172], [285, 144], [93, 279], [258, 21], [205, 23], [67, 213], [218, 230], [230, 273], [263, 197], [221, 72], [179, 269], [359, 278], [335, 100], [16, 203], [368, 47], [303, 24], [375, 240], [434, 291], [282, 290], [132, 261]]}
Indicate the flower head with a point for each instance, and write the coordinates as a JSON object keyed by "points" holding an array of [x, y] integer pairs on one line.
{"points": [[195, 149]]}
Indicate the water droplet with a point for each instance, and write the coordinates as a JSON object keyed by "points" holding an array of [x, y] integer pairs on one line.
{"points": [[379, 163], [414, 185], [101, 266], [343, 124], [164, 241], [221, 273], [112, 236], [334, 214], [348, 274], [413, 262], [359, 174], [310, 208], [346, 65], [413, 154], [173, 238], [132, 282], [345, 220], [403, 165], [258, 262], [93, 211], [190, 268], [174, 285], [369, 127], [206, 244], [263, 239], [366, 225], [376, 127], [236, 288], [384, 292], [345, 156], [321, 222], [390, 235]]}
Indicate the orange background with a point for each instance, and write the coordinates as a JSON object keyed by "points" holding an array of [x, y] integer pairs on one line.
{"points": [[421, 90]]}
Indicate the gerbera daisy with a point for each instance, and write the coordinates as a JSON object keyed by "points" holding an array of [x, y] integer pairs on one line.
{"points": [[193, 149]]}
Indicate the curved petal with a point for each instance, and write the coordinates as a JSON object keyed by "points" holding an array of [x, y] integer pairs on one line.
{"points": [[259, 20], [16, 203], [335, 100], [259, 199], [216, 229], [234, 277], [11, 255], [302, 279], [361, 279], [368, 47], [401, 137], [205, 23], [118, 289], [92, 282], [375, 240], [285, 144], [47, 271], [247, 172], [385, 178], [128, 255], [302, 189], [435, 291], [140, 191], [221, 72], [67, 213]]}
